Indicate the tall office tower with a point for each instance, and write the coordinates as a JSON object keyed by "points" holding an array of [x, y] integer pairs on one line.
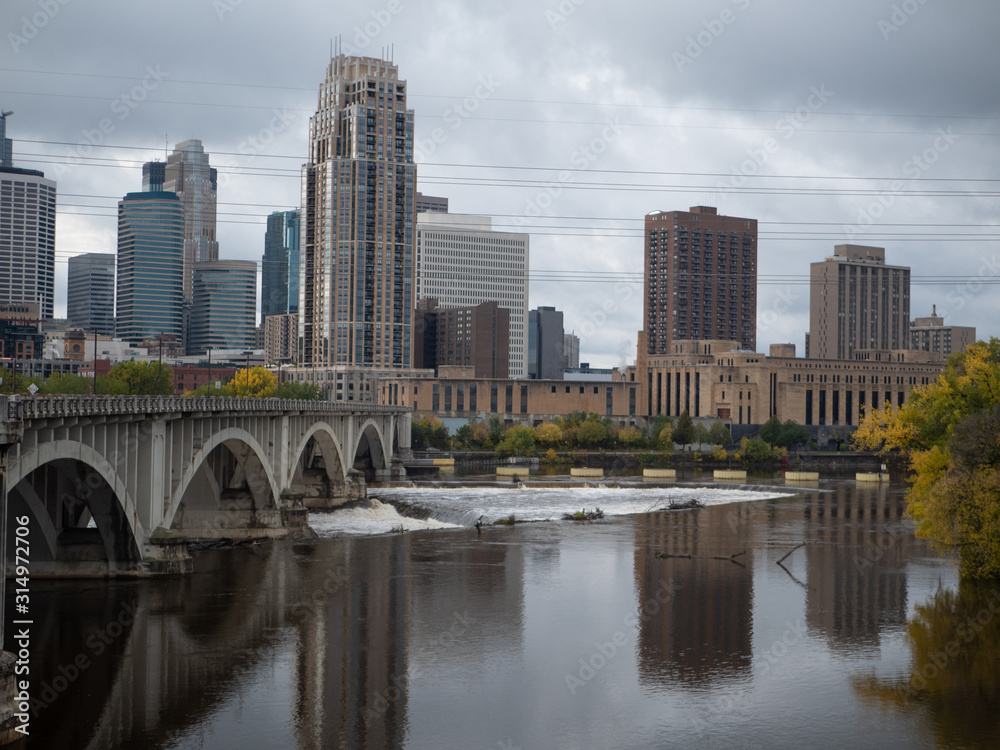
{"points": [[545, 344], [932, 335], [700, 278], [356, 298], [6, 145], [856, 302], [571, 351], [150, 283], [154, 173], [90, 292], [280, 265], [462, 262], [27, 232], [223, 306], [431, 203], [187, 173]]}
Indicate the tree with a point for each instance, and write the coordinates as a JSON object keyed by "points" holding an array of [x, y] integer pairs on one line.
{"points": [[700, 433], [770, 431], [590, 434], [549, 435], [719, 434], [66, 383], [519, 441], [755, 451], [428, 433], [257, 382], [659, 423], [947, 434], [792, 434], [684, 430], [140, 379], [630, 437], [295, 391], [665, 438]]}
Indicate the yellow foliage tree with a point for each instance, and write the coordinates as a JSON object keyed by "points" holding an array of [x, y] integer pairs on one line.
{"points": [[257, 382], [549, 434], [947, 432]]}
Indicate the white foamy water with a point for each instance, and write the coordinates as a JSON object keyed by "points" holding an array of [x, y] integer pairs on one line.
{"points": [[447, 507], [379, 518]]}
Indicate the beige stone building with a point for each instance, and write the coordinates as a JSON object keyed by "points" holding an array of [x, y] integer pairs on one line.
{"points": [[856, 301], [932, 335], [714, 379], [281, 338]]}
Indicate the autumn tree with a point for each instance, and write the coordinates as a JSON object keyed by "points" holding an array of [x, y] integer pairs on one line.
{"points": [[519, 441], [548, 434], [947, 434]]}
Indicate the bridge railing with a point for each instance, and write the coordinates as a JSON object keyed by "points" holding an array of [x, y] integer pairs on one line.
{"points": [[42, 407]]}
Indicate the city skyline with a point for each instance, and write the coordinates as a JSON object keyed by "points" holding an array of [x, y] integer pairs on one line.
{"points": [[722, 107]]}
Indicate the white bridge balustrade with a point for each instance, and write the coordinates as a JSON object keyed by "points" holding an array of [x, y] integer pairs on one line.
{"points": [[119, 485]]}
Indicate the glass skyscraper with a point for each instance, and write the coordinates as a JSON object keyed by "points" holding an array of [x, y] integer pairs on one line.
{"points": [[280, 265], [356, 300], [150, 286], [224, 306], [90, 292]]}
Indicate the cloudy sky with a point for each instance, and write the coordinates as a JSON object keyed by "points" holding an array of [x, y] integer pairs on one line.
{"points": [[866, 121]]}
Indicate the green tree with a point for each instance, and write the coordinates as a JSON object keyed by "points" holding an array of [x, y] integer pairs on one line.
{"points": [[700, 433], [140, 379], [792, 434], [665, 438], [661, 421], [755, 451], [296, 391], [947, 434], [66, 383], [519, 441], [429, 432], [719, 434], [684, 430], [770, 431], [591, 434]]}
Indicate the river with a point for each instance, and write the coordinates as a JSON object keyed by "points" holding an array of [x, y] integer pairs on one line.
{"points": [[403, 626]]}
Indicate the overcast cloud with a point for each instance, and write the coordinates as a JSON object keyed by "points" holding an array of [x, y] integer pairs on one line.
{"points": [[700, 101]]}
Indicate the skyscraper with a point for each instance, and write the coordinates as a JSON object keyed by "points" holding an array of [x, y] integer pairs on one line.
{"points": [[462, 262], [571, 351], [280, 265], [932, 335], [6, 145], [224, 306], [356, 299], [153, 175], [545, 344], [700, 278], [27, 231], [90, 292], [187, 173], [857, 302], [150, 284]]}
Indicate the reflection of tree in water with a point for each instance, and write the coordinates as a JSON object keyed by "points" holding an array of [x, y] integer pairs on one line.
{"points": [[955, 676]]}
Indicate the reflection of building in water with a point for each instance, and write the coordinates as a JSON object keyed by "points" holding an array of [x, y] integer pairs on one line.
{"points": [[856, 565], [140, 665], [474, 610], [350, 662], [703, 632]]}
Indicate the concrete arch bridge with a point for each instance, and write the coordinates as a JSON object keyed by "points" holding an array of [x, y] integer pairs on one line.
{"points": [[119, 485]]}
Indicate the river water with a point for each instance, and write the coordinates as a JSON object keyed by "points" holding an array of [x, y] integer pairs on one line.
{"points": [[402, 626]]}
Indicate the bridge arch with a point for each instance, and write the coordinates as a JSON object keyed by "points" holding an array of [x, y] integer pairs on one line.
{"points": [[333, 454], [250, 456], [103, 493], [372, 444]]}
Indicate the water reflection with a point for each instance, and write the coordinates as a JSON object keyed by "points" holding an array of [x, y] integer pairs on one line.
{"points": [[954, 677], [856, 564], [705, 631]]}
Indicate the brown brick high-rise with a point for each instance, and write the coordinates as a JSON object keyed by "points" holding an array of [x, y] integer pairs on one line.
{"points": [[700, 278]]}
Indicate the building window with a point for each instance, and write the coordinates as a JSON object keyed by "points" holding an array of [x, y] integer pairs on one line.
{"points": [[610, 401]]}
